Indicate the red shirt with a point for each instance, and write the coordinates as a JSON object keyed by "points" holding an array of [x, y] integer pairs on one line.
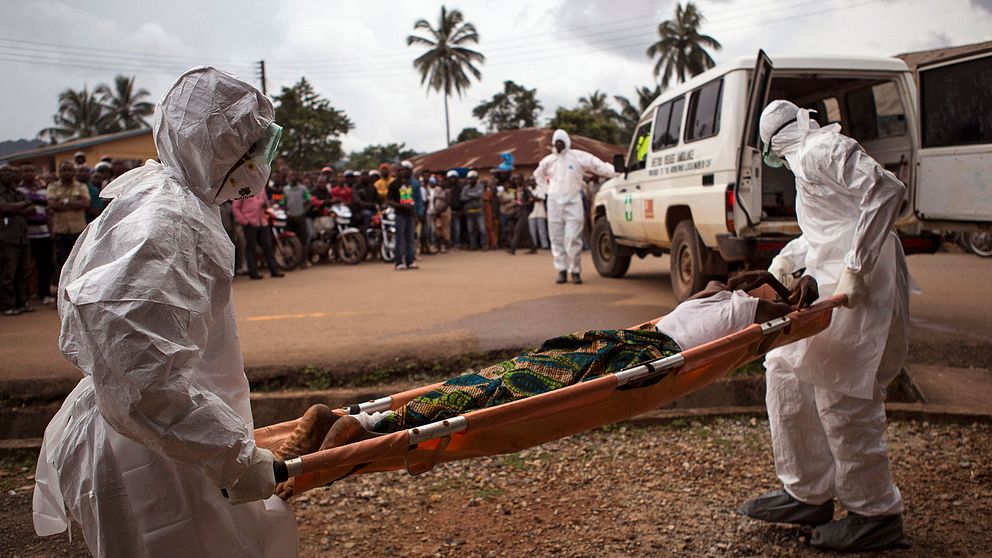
{"points": [[251, 211], [342, 193]]}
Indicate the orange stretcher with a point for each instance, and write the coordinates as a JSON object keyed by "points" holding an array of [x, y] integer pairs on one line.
{"points": [[535, 420]]}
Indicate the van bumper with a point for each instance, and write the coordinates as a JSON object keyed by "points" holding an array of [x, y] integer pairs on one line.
{"points": [[750, 249]]}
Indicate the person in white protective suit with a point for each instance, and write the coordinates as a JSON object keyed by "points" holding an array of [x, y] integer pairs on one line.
{"points": [[161, 420], [825, 394], [560, 175]]}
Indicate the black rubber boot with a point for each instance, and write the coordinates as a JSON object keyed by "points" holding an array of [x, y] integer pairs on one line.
{"points": [[576, 278], [861, 533], [780, 507], [562, 277]]}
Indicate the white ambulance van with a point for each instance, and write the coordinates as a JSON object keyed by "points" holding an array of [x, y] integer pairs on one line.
{"points": [[693, 184]]}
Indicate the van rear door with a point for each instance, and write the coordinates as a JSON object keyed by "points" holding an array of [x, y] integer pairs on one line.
{"points": [[954, 165], [747, 188]]}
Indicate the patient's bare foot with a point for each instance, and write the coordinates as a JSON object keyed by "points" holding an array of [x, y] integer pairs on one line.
{"points": [[309, 433], [346, 431]]}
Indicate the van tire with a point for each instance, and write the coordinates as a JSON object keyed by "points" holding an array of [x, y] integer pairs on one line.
{"points": [[607, 256], [686, 261]]}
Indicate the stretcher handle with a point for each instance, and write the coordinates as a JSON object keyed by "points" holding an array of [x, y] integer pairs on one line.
{"points": [[279, 470]]}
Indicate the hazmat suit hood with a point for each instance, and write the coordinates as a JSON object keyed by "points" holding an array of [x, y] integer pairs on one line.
{"points": [[563, 136], [203, 126], [787, 127]]}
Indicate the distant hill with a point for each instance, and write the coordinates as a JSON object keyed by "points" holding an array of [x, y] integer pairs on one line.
{"points": [[15, 146]]}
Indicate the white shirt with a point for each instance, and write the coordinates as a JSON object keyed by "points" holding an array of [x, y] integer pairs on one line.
{"points": [[699, 321]]}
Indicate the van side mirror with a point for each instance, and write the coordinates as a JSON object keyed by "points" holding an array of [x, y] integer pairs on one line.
{"points": [[618, 163]]}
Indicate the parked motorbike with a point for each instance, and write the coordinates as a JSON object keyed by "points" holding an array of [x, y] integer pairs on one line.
{"points": [[383, 231], [287, 246], [334, 238]]}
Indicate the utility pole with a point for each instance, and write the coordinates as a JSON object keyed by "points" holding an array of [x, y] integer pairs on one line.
{"points": [[261, 75]]}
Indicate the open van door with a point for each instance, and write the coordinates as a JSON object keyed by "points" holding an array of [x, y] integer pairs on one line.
{"points": [[747, 188], [954, 164]]}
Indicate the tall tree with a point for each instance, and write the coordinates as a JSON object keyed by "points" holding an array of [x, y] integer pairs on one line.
{"points": [[597, 103], [311, 127], [515, 107], [630, 113], [373, 155], [467, 134], [443, 67], [584, 122], [80, 115], [681, 48], [125, 104]]}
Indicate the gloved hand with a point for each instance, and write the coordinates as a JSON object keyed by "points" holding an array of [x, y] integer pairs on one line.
{"points": [[258, 482], [781, 270], [853, 285]]}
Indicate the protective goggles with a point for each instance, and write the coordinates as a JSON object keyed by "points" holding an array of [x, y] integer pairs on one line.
{"points": [[264, 150], [767, 155]]}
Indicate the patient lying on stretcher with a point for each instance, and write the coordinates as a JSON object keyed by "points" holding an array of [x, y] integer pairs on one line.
{"points": [[715, 312]]}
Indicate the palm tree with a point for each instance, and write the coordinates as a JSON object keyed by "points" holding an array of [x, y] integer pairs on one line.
{"points": [[595, 103], [443, 67], [80, 115], [125, 104], [681, 48]]}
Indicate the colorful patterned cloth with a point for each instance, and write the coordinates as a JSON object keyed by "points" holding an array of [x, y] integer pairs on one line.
{"points": [[557, 363]]}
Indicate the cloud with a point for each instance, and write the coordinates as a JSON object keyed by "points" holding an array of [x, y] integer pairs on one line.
{"points": [[982, 5]]}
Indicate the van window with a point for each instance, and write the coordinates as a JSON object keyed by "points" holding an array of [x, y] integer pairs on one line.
{"points": [[955, 103], [638, 157], [668, 124], [875, 112], [704, 111]]}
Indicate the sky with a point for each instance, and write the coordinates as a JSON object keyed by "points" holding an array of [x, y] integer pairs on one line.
{"points": [[355, 52]]}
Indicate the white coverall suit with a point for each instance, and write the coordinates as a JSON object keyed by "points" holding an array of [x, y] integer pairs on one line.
{"points": [[161, 419], [826, 394], [560, 174]]}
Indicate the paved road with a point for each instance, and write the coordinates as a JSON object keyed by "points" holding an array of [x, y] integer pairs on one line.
{"points": [[340, 317]]}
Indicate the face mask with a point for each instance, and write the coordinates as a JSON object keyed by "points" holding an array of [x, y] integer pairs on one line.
{"points": [[770, 157], [249, 175]]}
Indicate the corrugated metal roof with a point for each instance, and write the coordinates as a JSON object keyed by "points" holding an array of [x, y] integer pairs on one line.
{"points": [[76, 144], [923, 57], [528, 146]]}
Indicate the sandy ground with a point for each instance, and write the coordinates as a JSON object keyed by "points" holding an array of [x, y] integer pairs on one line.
{"points": [[622, 491]]}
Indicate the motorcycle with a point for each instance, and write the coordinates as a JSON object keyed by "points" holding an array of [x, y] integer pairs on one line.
{"points": [[287, 246], [382, 234], [334, 238]]}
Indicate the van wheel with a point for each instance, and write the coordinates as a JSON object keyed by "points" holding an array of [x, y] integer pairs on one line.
{"points": [[606, 255], [686, 261]]}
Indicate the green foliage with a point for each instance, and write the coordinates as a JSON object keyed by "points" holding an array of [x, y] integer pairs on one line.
{"points": [[104, 110], [681, 48], [370, 157], [311, 127], [467, 134], [585, 122], [515, 107]]}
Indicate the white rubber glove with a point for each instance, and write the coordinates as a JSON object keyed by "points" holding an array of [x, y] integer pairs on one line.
{"points": [[258, 482], [781, 269], [852, 285]]}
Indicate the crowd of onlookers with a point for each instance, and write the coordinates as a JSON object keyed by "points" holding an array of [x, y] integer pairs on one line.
{"points": [[42, 216], [435, 212]]}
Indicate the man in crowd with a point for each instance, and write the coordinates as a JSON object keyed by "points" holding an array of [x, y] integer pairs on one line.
{"points": [[342, 191], [297, 202], [561, 175], [538, 219], [426, 218], [85, 177], [506, 194], [402, 197], [440, 202], [471, 197], [454, 185], [68, 201], [382, 183], [39, 236], [321, 189], [366, 200], [250, 214], [14, 248], [524, 203]]}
